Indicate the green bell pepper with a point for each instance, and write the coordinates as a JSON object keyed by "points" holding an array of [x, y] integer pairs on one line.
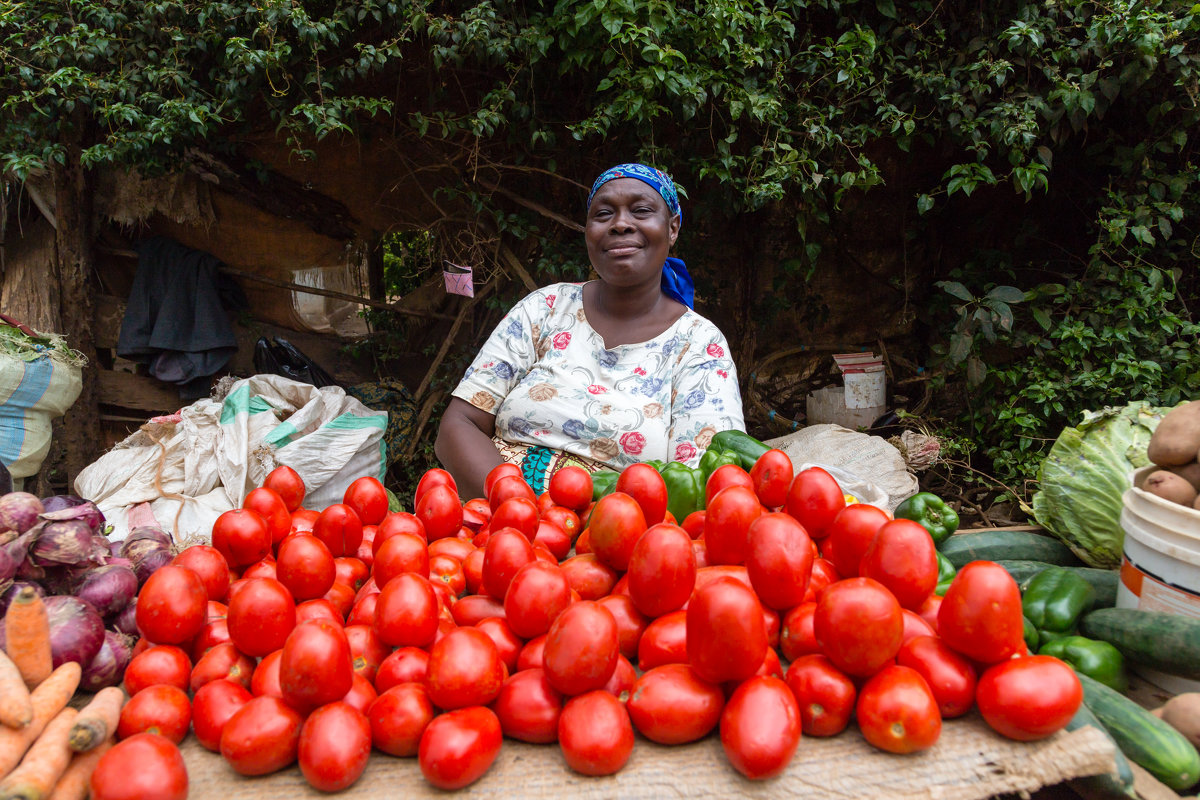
{"points": [[1055, 599], [746, 448], [946, 573], [712, 460], [1031, 635], [1098, 660], [604, 483], [685, 489], [931, 513]]}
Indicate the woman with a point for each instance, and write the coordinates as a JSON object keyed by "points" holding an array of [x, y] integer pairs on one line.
{"points": [[602, 374]]}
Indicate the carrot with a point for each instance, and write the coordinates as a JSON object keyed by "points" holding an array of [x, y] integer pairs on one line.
{"points": [[73, 785], [27, 636], [98, 719], [49, 698], [45, 762], [16, 709]]}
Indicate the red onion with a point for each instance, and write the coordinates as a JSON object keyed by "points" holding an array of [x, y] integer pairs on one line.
{"points": [[109, 589], [63, 543], [19, 511], [150, 563], [11, 592], [76, 630], [143, 541], [108, 666], [117, 561], [85, 511], [57, 502], [126, 621], [15, 550], [8, 567]]}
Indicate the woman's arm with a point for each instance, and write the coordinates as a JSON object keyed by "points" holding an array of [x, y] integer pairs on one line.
{"points": [[465, 448]]}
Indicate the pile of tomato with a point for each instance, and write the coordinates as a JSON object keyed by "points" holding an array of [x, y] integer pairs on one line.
{"points": [[315, 637]]}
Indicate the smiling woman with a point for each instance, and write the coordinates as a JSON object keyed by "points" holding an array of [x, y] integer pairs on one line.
{"points": [[603, 374]]}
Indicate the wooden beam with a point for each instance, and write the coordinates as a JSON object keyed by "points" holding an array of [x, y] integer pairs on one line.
{"points": [[350, 298], [126, 390]]}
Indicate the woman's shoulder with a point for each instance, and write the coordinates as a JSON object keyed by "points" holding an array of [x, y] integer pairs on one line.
{"points": [[697, 327], [552, 298]]}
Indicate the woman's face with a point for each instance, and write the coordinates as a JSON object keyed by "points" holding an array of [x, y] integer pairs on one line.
{"points": [[628, 233]]}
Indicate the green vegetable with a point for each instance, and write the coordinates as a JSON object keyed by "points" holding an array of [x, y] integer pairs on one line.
{"points": [[1055, 600], [685, 489], [603, 483], [1112, 786], [1166, 642], [1144, 738], [394, 503], [963, 548], [931, 513], [1031, 635], [1098, 660], [745, 447], [1104, 581], [1084, 476], [712, 460], [946, 573]]}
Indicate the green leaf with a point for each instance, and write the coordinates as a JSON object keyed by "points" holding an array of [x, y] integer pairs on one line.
{"points": [[955, 289], [1007, 294], [887, 8], [960, 346], [924, 203]]}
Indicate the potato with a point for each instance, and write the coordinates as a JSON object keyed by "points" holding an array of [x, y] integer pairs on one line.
{"points": [[1182, 712], [1176, 440], [1169, 486], [1190, 471]]}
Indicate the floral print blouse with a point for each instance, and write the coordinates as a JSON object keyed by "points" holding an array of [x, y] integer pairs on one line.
{"points": [[550, 381]]}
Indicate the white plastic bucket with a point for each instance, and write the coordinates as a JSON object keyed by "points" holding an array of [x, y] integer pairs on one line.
{"points": [[1160, 568]]}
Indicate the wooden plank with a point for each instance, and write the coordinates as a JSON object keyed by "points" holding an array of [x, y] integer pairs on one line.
{"points": [[126, 390]]}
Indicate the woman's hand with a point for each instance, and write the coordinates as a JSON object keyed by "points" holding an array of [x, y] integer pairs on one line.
{"points": [[465, 448]]}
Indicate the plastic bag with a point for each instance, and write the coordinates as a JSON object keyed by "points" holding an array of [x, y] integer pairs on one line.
{"points": [[280, 357]]}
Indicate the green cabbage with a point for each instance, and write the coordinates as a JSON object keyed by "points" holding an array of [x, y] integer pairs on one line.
{"points": [[1082, 479]]}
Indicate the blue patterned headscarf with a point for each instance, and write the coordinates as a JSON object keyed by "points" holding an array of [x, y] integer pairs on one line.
{"points": [[676, 282]]}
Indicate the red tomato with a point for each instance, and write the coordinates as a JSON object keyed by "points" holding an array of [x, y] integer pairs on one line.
{"points": [[340, 529], [553, 538], [265, 681], [903, 558], [571, 487], [725, 476], [929, 610], [363, 611], [505, 470], [693, 523], [472, 567], [162, 663], [274, 511], [288, 484], [215, 611], [528, 707], [242, 536], [398, 717], [464, 670], [1028, 698], [617, 522], [897, 712], [335, 743], [814, 499], [351, 571], [404, 665], [779, 560], [305, 566], [620, 685], [221, 662], [662, 570], [772, 476], [367, 652], [455, 548], [368, 498], [172, 606], [160, 709], [643, 483], [261, 615], [796, 637], [476, 514], [564, 518], [434, 477], [261, 569], [950, 677], [144, 765], [760, 727], [407, 612], [727, 523], [858, 625], [341, 597], [210, 565], [672, 705], [316, 667], [823, 574], [401, 553], [508, 644], [537, 594], [448, 572], [303, 520], [473, 608], [631, 623], [395, 523], [726, 637], [519, 513], [914, 625], [980, 615], [262, 736], [595, 734], [663, 642], [589, 576], [212, 634], [581, 648], [212, 706], [850, 534], [458, 747], [824, 695], [532, 655], [507, 551]]}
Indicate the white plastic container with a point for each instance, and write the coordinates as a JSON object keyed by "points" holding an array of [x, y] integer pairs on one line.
{"points": [[1160, 568]]}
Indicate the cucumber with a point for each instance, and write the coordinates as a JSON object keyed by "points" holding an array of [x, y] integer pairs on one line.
{"points": [[1144, 738], [1111, 785], [1166, 642], [1104, 581], [963, 548]]}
